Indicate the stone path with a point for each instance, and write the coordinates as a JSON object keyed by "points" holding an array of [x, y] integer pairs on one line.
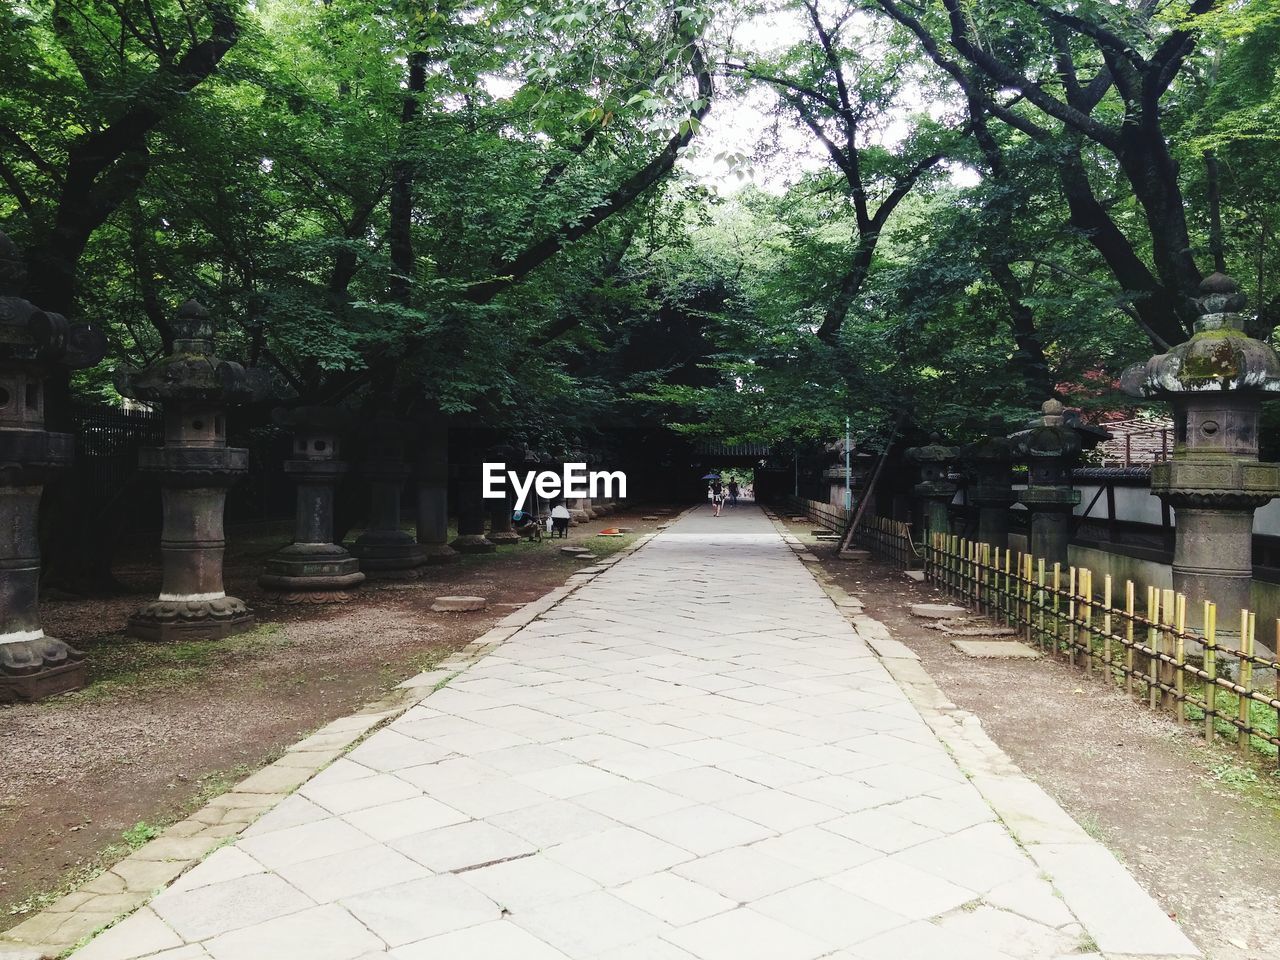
{"points": [[694, 755]]}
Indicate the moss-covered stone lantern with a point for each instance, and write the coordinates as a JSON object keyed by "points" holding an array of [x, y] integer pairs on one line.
{"points": [[195, 467], [1216, 382], [989, 464], [383, 549], [935, 487], [33, 344], [1051, 448], [313, 569]]}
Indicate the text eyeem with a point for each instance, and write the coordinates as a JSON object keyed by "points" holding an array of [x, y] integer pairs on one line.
{"points": [[575, 481]]}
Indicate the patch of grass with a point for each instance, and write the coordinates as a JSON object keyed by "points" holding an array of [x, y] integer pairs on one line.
{"points": [[124, 663], [1090, 825], [1262, 718], [1087, 944], [139, 834], [1235, 774]]}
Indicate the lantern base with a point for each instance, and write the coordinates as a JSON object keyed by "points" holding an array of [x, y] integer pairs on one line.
{"points": [[42, 668], [175, 620]]}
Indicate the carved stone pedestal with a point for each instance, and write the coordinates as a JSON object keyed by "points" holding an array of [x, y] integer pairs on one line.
{"points": [[471, 510], [195, 467], [384, 550], [313, 569], [433, 494]]}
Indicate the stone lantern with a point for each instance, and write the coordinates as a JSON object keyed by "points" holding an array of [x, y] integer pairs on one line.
{"points": [[935, 486], [33, 344], [433, 491], [471, 503], [195, 467], [500, 510], [1051, 448], [989, 462], [384, 550], [1216, 382], [313, 569]]}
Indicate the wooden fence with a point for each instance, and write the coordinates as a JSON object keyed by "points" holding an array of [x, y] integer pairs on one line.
{"points": [[888, 540], [1212, 677], [828, 515]]}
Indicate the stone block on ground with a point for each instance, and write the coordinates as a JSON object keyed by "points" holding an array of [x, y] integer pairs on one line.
{"points": [[855, 554], [937, 611], [458, 604], [996, 649], [969, 628], [587, 556], [571, 551], [916, 575], [650, 517]]}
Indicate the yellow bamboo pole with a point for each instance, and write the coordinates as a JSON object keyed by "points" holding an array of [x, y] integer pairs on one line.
{"points": [[1210, 668], [1086, 592], [1041, 601], [1130, 611], [1247, 625], [1180, 658], [1073, 585], [1009, 611], [1153, 644], [1028, 588], [1057, 605], [1166, 646], [1106, 629]]}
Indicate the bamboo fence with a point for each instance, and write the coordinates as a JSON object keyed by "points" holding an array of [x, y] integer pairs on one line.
{"points": [[1142, 643], [829, 515], [889, 540]]}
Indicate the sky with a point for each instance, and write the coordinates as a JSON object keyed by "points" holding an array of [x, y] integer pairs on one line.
{"points": [[737, 124]]}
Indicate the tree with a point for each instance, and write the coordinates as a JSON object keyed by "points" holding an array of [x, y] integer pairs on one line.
{"points": [[1092, 80]]}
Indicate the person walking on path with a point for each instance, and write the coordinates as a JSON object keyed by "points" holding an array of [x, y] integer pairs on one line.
{"points": [[733, 493], [717, 497]]}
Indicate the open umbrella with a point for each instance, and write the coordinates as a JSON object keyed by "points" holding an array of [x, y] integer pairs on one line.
{"points": [[712, 476]]}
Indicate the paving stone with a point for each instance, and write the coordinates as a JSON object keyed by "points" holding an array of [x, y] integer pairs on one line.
{"points": [[527, 882], [420, 909], [462, 845], [673, 898], [745, 934], [937, 611], [996, 649], [229, 863], [329, 932], [138, 935], [206, 911], [341, 875], [829, 913], [485, 941], [307, 842], [617, 855], [612, 923]]}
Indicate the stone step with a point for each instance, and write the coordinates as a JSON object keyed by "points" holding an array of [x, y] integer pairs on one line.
{"points": [[937, 611], [996, 649], [969, 628]]}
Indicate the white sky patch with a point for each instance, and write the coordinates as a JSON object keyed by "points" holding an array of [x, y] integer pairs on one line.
{"points": [[782, 149]]}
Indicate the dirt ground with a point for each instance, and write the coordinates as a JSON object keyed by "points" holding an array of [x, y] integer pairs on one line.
{"points": [[1199, 828], [163, 727]]}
